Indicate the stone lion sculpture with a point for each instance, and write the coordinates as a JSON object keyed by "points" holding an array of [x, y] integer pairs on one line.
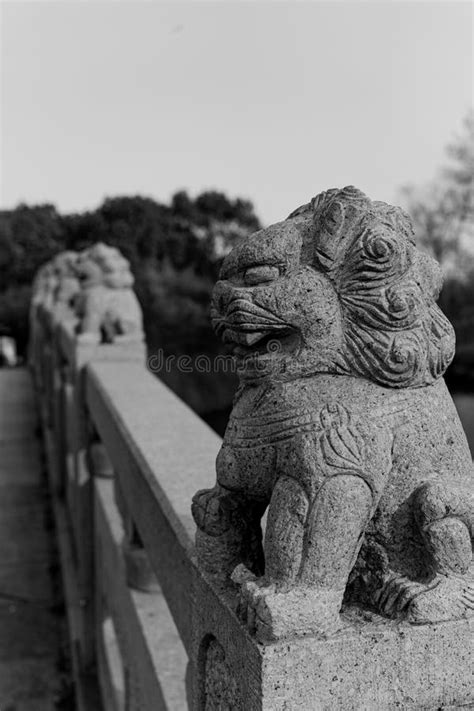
{"points": [[106, 306], [342, 426], [53, 291], [67, 286], [56, 282]]}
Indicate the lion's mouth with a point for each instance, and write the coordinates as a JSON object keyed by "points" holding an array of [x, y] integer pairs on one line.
{"points": [[252, 330], [268, 345]]}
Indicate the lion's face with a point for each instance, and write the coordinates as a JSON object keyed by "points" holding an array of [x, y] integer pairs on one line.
{"points": [[338, 287], [104, 265], [64, 264], [276, 312]]}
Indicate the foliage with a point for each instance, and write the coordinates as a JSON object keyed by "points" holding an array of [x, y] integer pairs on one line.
{"points": [[443, 210], [29, 236], [175, 252]]}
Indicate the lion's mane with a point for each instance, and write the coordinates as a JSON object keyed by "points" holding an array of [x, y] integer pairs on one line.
{"points": [[394, 333]]}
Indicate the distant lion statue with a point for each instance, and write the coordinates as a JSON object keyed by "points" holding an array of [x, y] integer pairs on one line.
{"points": [[54, 289], [106, 306], [342, 427], [56, 283], [67, 287]]}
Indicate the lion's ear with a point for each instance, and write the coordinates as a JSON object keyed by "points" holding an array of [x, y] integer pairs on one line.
{"points": [[333, 218]]}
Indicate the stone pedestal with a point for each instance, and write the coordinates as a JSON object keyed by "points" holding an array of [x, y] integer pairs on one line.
{"points": [[372, 664], [376, 665]]}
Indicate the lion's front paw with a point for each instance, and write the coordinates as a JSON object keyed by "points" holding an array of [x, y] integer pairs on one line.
{"points": [[273, 613], [215, 511], [395, 595]]}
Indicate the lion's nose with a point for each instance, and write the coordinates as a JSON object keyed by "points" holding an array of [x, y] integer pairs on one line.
{"points": [[221, 296]]}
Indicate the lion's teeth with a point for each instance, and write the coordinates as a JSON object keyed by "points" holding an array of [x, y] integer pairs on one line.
{"points": [[251, 338]]}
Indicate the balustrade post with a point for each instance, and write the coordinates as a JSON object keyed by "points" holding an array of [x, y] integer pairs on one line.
{"points": [[140, 575], [361, 594]]}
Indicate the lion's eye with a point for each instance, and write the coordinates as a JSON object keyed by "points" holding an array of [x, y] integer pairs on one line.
{"points": [[257, 275]]}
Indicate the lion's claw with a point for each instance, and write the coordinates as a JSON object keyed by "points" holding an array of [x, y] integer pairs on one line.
{"points": [[272, 613], [446, 597], [451, 597]]}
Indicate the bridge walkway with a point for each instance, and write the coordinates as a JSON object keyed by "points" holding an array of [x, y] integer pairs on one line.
{"points": [[33, 648]]}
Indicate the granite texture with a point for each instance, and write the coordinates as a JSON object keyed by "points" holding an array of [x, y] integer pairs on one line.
{"points": [[373, 665], [342, 428]]}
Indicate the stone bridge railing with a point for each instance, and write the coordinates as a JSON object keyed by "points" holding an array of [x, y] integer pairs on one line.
{"points": [[149, 630], [124, 458]]}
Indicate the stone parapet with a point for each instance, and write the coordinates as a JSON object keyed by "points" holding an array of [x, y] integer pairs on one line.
{"points": [[332, 565]]}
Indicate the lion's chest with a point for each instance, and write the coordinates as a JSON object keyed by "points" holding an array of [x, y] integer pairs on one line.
{"points": [[316, 428], [271, 414], [270, 430], [269, 427]]}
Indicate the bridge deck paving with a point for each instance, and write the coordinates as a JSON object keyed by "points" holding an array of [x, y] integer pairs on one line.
{"points": [[33, 648]]}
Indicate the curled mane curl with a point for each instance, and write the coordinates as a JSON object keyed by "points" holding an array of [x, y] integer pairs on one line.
{"points": [[394, 333]]}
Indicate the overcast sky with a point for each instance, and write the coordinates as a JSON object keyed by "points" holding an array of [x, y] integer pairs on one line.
{"points": [[272, 101]]}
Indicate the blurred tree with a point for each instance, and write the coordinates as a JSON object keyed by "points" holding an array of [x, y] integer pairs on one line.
{"points": [[84, 229], [134, 225], [175, 253], [29, 236], [443, 216], [183, 207], [443, 210], [213, 205]]}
